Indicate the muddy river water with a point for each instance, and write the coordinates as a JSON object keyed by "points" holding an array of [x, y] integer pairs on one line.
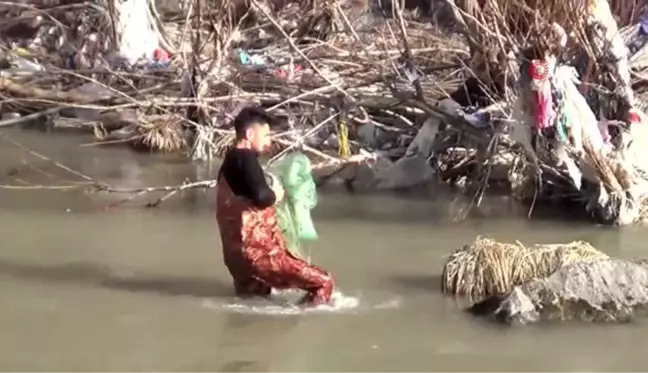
{"points": [[132, 289]]}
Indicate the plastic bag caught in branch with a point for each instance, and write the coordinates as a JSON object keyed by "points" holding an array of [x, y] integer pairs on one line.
{"points": [[579, 118], [137, 38]]}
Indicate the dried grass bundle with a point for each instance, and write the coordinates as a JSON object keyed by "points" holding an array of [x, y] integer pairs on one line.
{"points": [[223, 144], [619, 181], [161, 133], [487, 267], [605, 169]]}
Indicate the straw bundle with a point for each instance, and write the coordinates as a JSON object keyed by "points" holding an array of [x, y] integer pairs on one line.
{"points": [[487, 267], [622, 198], [161, 133]]}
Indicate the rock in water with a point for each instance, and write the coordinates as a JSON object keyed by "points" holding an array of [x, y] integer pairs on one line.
{"points": [[610, 290]]}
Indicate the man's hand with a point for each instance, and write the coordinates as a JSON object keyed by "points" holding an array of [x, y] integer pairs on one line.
{"points": [[276, 187], [278, 191]]}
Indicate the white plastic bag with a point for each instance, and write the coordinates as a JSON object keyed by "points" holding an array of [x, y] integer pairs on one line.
{"points": [[138, 38]]}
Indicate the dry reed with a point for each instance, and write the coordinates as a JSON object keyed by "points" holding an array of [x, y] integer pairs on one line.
{"points": [[495, 28], [161, 133], [488, 267]]}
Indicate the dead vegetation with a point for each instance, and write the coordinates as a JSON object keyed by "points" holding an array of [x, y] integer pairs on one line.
{"points": [[488, 267], [333, 70], [315, 63]]}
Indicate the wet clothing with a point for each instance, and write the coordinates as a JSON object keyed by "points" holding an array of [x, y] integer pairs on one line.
{"points": [[254, 248]]}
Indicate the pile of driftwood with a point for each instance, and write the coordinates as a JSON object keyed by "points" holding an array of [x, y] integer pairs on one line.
{"points": [[318, 67], [353, 80]]}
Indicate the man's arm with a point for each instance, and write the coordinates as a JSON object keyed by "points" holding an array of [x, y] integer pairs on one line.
{"points": [[253, 181]]}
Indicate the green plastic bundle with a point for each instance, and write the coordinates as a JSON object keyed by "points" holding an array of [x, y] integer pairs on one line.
{"points": [[294, 173]]}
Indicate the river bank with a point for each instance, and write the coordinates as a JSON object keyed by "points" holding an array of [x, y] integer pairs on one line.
{"points": [[402, 98], [27, 179]]}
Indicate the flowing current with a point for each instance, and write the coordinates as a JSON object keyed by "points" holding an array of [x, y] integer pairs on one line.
{"points": [[87, 288]]}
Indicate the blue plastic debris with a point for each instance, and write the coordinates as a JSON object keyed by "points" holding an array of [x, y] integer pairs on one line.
{"points": [[247, 59], [638, 40], [643, 22], [477, 119]]}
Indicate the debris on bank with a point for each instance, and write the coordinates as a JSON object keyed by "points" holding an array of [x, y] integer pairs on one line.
{"points": [[408, 101]]}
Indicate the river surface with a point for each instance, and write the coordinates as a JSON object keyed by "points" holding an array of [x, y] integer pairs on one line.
{"points": [[131, 289]]}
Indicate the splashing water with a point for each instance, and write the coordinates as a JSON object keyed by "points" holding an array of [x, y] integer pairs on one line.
{"points": [[286, 303]]}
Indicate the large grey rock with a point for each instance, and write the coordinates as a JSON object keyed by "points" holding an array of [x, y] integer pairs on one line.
{"points": [[413, 169], [611, 290]]}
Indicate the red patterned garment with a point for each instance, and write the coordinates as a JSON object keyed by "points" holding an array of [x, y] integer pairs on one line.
{"points": [[256, 255]]}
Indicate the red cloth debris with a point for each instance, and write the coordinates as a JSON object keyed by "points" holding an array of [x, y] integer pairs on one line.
{"points": [[633, 116], [161, 55]]}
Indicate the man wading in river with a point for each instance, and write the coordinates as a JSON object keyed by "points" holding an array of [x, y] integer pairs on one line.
{"points": [[254, 248]]}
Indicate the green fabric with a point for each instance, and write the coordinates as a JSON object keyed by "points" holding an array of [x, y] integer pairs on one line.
{"points": [[294, 173], [563, 134], [573, 115]]}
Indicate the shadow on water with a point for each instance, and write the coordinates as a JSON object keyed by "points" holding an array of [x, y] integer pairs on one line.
{"points": [[407, 282], [241, 366], [91, 274], [268, 331]]}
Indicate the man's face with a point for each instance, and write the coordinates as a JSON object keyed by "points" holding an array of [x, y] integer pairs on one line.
{"points": [[259, 137]]}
